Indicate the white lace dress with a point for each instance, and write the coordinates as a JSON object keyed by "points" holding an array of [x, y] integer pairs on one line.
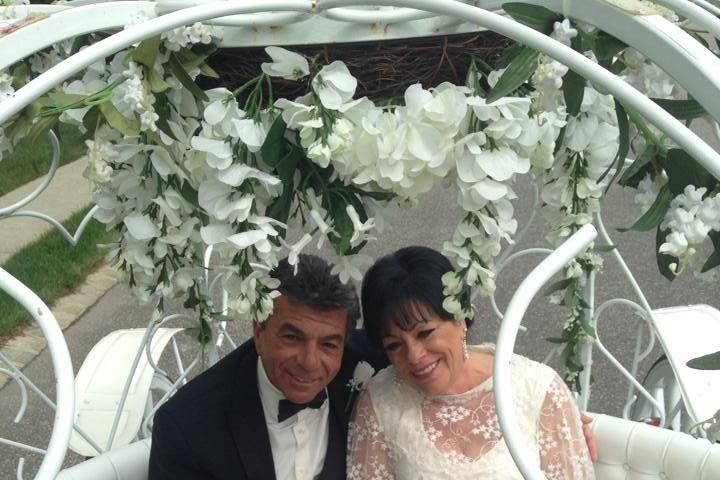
{"points": [[400, 434]]}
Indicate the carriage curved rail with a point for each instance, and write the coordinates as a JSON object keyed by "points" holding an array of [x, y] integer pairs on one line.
{"points": [[687, 51]]}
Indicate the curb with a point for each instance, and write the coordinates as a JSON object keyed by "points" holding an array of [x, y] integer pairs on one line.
{"points": [[30, 342]]}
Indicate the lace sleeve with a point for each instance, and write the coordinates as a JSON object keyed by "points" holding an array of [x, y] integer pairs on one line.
{"points": [[563, 451], [368, 454]]}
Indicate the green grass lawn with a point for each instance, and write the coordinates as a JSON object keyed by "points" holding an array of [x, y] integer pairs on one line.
{"points": [[27, 162], [51, 267]]}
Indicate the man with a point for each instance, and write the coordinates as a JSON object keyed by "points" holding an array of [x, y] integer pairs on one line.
{"points": [[275, 408]]}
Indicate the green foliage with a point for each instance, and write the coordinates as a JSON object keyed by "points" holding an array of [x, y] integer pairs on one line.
{"points": [[51, 267], [517, 73], [682, 109], [634, 173], [683, 170], [539, 18], [663, 260], [655, 213], [275, 146], [574, 91], [623, 144], [706, 362]]}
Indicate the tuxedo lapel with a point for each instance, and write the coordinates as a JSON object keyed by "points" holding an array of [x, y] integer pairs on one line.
{"points": [[247, 422]]}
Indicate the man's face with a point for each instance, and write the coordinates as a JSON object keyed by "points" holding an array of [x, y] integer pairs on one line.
{"points": [[301, 348]]}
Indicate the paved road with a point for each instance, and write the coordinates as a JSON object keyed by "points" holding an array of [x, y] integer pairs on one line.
{"points": [[430, 224]]}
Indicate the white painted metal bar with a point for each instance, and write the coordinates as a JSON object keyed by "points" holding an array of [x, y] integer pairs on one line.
{"points": [[630, 97], [22, 446], [502, 368], [72, 239], [707, 6], [587, 353], [40, 188], [62, 368], [64, 24], [697, 14], [16, 372], [667, 45], [23, 393]]}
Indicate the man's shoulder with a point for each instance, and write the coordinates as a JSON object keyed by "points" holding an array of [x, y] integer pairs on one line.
{"points": [[212, 391]]}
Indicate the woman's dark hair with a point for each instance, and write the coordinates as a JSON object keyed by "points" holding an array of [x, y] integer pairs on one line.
{"points": [[400, 288]]}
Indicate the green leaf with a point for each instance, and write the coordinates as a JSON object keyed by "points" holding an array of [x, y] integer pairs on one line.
{"points": [[539, 18], [585, 324], [663, 260], [712, 261], [683, 170], [184, 78], [342, 222], [118, 121], [189, 194], [202, 333], [606, 47], [557, 340], [642, 125], [637, 166], [706, 362], [507, 55], [91, 118], [208, 71], [714, 258], [574, 91], [156, 81], [559, 285], [275, 146], [604, 248], [516, 74], [655, 214], [147, 52], [623, 144], [281, 206], [682, 109]]}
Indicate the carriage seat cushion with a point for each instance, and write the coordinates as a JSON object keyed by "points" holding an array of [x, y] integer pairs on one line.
{"points": [[632, 450], [626, 450]]}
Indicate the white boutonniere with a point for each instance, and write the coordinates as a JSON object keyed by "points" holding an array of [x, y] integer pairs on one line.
{"points": [[362, 373]]}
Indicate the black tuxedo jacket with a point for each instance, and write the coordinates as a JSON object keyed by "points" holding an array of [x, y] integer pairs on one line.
{"points": [[214, 427]]}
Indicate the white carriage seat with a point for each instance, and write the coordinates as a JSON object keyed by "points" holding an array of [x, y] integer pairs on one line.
{"points": [[129, 462], [688, 332], [99, 386], [631, 450], [627, 450]]}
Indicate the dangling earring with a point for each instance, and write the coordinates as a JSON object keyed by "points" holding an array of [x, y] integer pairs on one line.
{"points": [[466, 354]]}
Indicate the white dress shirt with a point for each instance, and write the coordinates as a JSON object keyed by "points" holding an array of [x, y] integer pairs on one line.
{"points": [[299, 443]]}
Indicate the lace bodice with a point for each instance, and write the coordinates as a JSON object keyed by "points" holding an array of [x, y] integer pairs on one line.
{"points": [[400, 434]]}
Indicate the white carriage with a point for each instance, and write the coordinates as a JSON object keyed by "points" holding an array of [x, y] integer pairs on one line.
{"points": [[107, 420]]}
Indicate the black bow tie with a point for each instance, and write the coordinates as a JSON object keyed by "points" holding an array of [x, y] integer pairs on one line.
{"points": [[287, 409]]}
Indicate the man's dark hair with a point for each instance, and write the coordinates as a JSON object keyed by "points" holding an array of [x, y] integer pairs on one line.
{"points": [[316, 287], [402, 288]]}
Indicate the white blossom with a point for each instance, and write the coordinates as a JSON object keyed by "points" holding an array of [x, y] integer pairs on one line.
{"points": [[285, 64], [334, 85]]}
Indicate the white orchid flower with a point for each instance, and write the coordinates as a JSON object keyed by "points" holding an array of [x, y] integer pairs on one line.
{"points": [[218, 153], [250, 132], [348, 267], [141, 227], [286, 64], [295, 250], [359, 227], [334, 85], [675, 244]]}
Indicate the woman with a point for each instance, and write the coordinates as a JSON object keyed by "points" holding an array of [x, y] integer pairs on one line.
{"points": [[431, 414]]}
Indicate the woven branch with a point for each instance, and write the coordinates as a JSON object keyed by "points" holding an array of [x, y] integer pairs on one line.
{"points": [[383, 69]]}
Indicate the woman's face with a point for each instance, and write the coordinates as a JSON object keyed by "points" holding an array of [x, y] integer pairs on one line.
{"points": [[430, 355]]}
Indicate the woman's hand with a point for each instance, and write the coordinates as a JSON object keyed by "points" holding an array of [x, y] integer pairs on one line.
{"points": [[589, 437]]}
